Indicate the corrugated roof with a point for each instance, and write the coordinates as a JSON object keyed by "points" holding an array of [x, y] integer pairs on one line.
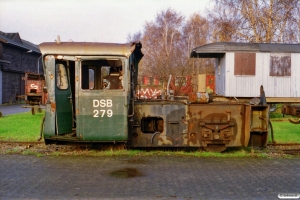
{"points": [[218, 49], [15, 40], [86, 48]]}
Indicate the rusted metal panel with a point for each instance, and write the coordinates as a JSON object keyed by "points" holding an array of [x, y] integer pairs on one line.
{"points": [[280, 64], [50, 112], [199, 97], [294, 111], [247, 123], [218, 124], [259, 118], [34, 84], [159, 123], [244, 63], [259, 126]]}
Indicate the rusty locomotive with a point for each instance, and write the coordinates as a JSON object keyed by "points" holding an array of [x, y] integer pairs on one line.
{"points": [[92, 98]]}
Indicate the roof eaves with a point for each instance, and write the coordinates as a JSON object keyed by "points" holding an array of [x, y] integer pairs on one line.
{"points": [[215, 48], [24, 45]]}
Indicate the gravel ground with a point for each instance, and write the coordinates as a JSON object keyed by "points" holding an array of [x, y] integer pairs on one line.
{"points": [[146, 177]]}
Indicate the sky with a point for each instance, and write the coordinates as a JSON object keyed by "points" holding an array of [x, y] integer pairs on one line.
{"points": [[40, 21]]}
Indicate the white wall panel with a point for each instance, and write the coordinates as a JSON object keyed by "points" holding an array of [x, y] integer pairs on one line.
{"points": [[295, 73], [229, 85], [220, 76]]}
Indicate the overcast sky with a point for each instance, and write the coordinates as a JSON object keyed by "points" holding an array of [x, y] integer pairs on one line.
{"points": [[40, 21]]}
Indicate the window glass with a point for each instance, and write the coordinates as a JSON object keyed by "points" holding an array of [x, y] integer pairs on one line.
{"points": [[102, 74], [61, 77], [91, 79]]}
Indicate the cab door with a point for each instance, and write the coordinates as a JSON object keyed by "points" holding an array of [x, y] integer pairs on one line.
{"points": [[63, 99], [101, 100]]}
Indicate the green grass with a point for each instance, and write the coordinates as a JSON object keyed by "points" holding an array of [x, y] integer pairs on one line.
{"points": [[286, 132], [20, 127]]}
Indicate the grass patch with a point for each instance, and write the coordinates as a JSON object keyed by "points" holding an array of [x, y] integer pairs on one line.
{"points": [[136, 154], [237, 153], [12, 151], [286, 132], [29, 152], [21, 127]]}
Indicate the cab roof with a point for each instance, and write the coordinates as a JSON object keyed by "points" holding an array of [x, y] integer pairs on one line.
{"points": [[86, 48]]}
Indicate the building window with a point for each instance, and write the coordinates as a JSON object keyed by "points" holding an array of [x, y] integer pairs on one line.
{"points": [[280, 64], [244, 64]]}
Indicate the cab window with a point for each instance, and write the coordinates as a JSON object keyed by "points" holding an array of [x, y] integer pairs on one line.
{"points": [[102, 74], [61, 77]]}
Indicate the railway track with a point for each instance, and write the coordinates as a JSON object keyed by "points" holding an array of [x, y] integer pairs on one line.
{"points": [[291, 151], [285, 148], [284, 144], [282, 148]]}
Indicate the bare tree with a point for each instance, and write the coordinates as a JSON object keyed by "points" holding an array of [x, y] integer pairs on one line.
{"points": [[167, 44], [136, 37], [255, 20], [292, 28], [196, 33], [161, 44]]}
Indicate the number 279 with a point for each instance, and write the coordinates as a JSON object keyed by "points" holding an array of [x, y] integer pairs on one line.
{"points": [[101, 113]]}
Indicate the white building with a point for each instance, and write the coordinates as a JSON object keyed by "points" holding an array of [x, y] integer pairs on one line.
{"points": [[241, 68]]}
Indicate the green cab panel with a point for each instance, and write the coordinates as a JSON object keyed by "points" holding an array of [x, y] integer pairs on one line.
{"points": [[102, 118]]}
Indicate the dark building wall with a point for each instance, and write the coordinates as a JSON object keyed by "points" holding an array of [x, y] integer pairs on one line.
{"points": [[20, 59], [1, 51], [21, 62], [11, 86]]}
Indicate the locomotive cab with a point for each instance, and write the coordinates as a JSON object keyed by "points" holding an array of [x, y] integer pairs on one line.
{"points": [[89, 89]]}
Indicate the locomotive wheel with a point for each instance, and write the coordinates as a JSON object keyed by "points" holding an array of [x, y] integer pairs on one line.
{"points": [[215, 148]]}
